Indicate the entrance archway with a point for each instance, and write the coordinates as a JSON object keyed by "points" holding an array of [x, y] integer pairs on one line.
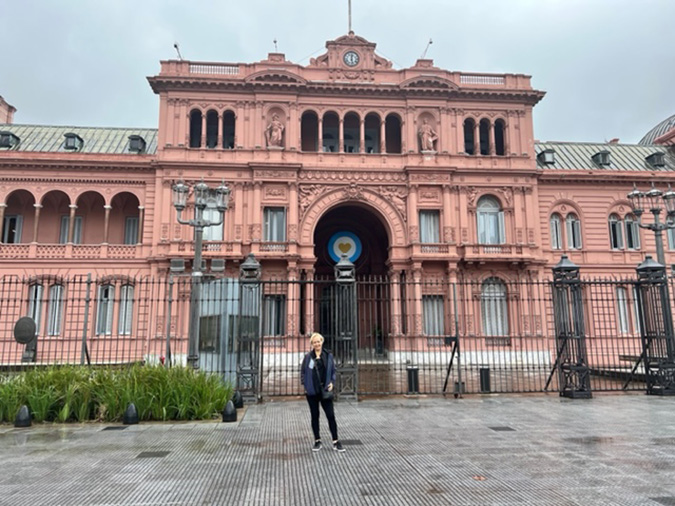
{"points": [[359, 225]]}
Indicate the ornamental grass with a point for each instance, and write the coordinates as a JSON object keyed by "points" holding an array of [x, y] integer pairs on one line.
{"points": [[66, 393]]}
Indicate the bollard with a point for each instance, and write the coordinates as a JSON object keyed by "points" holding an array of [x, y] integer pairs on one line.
{"points": [[238, 400], [484, 372], [23, 418], [230, 412], [130, 415], [413, 379]]}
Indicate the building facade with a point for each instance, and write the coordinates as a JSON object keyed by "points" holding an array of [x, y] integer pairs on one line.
{"points": [[415, 174]]}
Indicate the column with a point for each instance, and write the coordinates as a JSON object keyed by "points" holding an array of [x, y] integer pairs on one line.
{"points": [[395, 303], [476, 138], [320, 146], [203, 130], [293, 212], [309, 301], [36, 222], [293, 303], [219, 141], [341, 148], [106, 222], [2, 218], [71, 223], [447, 214], [141, 224], [383, 140], [362, 136], [491, 138], [413, 228], [256, 211]]}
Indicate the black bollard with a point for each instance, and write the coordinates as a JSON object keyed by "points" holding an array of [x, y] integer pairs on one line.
{"points": [[238, 400], [230, 412], [130, 415], [23, 418]]}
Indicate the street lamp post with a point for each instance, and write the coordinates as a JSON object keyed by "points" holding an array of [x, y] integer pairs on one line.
{"points": [[656, 201], [204, 197]]}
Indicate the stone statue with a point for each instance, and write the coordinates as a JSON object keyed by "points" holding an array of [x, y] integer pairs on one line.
{"points": [[427, 136], [274, 132]]}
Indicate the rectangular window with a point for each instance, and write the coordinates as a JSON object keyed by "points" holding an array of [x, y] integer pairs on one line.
{"points": [[12, 228], [131, 230], [632, 234], [433, 315], [275, 224], [126, 310], [212, 215], [35, 304], [54, 310], [573, 233], [429, 227], [636, 312], [274, 307], [622, 310], [615, 234], [77, 230], [104, 315]]}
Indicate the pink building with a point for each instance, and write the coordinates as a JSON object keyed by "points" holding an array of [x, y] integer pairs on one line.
{"points": [[417, 174]]}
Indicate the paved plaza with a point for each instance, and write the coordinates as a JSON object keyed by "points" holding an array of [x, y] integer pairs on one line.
{"points": [[492, 450]]}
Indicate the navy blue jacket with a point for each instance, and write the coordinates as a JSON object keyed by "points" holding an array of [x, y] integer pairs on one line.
{"points": [[307, 371]]}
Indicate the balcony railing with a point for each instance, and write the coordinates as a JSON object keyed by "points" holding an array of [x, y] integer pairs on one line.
{"points": [[68, 251]]}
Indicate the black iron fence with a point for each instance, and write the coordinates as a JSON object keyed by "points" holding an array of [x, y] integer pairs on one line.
{"points": [[390, 335]]}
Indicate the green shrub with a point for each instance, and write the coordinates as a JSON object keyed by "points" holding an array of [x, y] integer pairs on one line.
{"points": [[79, 393]]}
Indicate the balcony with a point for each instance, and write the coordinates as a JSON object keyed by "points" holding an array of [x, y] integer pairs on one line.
{"points": [[481, 253], [70, 251]]}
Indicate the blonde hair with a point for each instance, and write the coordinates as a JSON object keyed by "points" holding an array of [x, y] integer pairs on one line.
{"points": [[315, 335]]}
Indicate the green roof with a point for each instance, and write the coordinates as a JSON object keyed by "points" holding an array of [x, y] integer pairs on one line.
{"points": [[50, 139], [623, 157]]}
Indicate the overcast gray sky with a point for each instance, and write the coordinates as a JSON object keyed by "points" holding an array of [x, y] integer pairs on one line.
{"points": [[607, 65]]}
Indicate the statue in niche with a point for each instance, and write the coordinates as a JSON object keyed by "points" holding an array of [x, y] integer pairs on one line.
{"points": [[274, 132], [427, 136]]}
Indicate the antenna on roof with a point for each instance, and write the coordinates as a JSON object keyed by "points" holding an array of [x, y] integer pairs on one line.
{"points": [[175, 45], [427, 48], [275, 46]]}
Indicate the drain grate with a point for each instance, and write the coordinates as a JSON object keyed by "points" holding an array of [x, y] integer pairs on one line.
{"points": [[351, 442], [152, 455], [115, 427], [590, 440], [502, 429]]}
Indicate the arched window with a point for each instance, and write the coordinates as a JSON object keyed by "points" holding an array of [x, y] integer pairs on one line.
{"points": [[469, 141], [484, 133], [494, 309], [211, 129], [615, 232], [309, 131], [500, 140], [352, 133], [228, 130], [330, 134], [632, 232], [372, 133], [490, 221], [556, 231], [573, 225], [195, 129], [392, 133]]}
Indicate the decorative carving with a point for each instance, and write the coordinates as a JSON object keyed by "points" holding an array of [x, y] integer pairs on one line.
{"points": [[465, 235], [471, 193], [308, 194], [447, 234], [353, 192], [273, 192], [414, 234], [293, 232], [427, 136], [396, 195], [256, 232], [237, 232]]}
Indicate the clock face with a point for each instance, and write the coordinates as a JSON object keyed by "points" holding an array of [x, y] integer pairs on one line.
{"points": [[351, 58]]}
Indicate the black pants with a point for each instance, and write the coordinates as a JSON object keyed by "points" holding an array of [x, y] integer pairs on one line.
{"points": [[327, 405]]}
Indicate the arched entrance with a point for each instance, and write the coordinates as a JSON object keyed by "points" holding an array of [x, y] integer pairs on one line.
{"points": [[352, 229], [358, 230]]}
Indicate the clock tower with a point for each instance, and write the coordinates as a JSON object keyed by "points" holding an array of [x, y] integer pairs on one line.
{"points": [[351, 53]]}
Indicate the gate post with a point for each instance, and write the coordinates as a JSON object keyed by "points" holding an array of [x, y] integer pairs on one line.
{"points": [[568, 312], [248, 331], [656, 327], [346, 335]]}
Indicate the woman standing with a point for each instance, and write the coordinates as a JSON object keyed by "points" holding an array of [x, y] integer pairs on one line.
{"points": [[318, 377]]}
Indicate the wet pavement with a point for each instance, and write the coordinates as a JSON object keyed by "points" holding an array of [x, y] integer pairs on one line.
{"points": [[487, 450]]}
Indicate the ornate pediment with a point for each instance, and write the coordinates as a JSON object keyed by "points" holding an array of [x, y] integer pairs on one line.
{"points": [[273, 76], [428, 83], [351, 52]]}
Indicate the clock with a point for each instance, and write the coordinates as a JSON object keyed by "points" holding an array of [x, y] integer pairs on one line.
{"points": [[351, 58]]}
